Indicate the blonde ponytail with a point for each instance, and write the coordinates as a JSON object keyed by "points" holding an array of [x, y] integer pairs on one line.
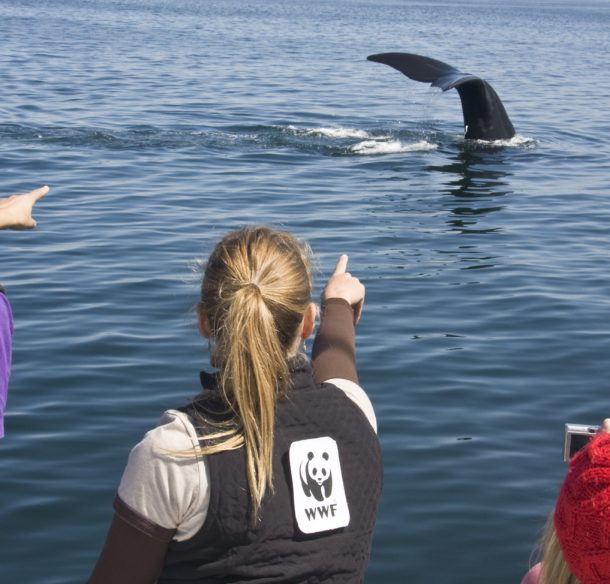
{"points": [[255, 292], [555, 569]]}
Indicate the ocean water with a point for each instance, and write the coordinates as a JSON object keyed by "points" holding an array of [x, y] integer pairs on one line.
{"points": [[161, 125]]}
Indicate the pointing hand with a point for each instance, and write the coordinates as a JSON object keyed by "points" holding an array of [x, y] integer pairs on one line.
{"points": [[16, 210], [343, 285]]}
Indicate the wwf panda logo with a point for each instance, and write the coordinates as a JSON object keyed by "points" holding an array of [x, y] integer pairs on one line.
{"points": [[316, 476], [318, 492]]}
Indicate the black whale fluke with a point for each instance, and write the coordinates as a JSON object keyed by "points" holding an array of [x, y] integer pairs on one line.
{"points": [[484, 115]]}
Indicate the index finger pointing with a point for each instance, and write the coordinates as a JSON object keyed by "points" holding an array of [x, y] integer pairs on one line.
{"points": [[39, 193], [341, 265]]}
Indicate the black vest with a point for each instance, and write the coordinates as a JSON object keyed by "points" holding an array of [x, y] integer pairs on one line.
{"points": [[230, 549]]}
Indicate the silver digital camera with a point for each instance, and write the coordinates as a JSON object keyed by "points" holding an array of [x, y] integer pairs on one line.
{"points": [[577, 436]]}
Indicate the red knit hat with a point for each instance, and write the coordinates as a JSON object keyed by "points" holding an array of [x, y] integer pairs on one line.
{"points": [[582, 514]]}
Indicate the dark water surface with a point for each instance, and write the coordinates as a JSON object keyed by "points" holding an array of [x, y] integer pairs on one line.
{"points": [[161, 125]]}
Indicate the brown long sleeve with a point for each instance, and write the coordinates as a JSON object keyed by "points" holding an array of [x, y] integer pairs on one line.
{"points": [[128, 556], [334, 348]]}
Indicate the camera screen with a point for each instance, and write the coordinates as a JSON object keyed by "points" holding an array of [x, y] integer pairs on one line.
{"points": [[578, 441]]}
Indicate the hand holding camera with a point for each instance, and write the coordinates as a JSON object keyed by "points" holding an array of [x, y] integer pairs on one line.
{"points": [[576, 436]]}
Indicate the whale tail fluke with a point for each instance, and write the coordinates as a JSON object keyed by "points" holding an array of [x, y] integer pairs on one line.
{"points": [[484, 115]]}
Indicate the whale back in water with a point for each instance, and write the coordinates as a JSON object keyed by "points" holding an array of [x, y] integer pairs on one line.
{"points": [[484, 115]]}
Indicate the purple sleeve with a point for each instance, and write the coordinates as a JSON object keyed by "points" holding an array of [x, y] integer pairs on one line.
{"points": [[6, 337]]}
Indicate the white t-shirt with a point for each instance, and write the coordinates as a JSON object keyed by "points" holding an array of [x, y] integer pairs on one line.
{"points": [[173, 491]]}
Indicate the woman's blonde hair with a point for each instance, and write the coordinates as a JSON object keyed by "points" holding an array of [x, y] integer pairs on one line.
{"points": [[555, 569], [255, 292]]}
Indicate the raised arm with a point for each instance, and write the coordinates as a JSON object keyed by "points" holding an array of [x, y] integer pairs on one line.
{"points": [[334, 349], [16, 210]]}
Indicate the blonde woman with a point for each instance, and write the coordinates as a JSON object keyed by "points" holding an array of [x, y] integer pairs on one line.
{"points": [[575, 547], [273, 473]]}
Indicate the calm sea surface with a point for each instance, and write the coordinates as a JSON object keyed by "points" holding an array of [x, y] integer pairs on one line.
{"points": [[160, 125]]}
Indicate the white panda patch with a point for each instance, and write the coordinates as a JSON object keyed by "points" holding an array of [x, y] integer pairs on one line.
{"points": [[316, 476], [317, 485]]}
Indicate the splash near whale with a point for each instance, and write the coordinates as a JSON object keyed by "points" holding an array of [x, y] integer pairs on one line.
{"points": [[484, 115]]}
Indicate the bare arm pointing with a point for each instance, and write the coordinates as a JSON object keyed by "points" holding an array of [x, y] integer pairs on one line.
{"points": [[16, 210]]}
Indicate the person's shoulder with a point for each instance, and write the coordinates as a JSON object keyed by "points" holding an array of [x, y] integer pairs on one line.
{"points": [[533, 576], [173, 434], [165, 481], [172, 447], [6, 315], [4, 301], [358, 396], [174, 419]]}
